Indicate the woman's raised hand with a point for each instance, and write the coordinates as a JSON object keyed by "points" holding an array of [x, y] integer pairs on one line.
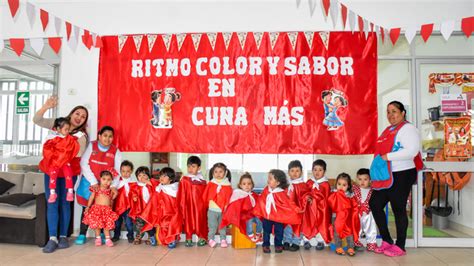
{"points": [[51, 102]]}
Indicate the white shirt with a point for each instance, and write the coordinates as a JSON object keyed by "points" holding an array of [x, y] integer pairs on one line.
{"points": [[408, 139], [364, 192], [86, 169]]}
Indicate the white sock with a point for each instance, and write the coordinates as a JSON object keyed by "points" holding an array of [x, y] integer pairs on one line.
{"points": [[52, 191], [70, 190], [55, 239]]}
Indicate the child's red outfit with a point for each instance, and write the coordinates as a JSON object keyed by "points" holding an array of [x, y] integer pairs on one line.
{"points": [[192, 207], [139, 196], [122, 201], [298, 192], [367, 221], [162, 212], [101, 216], [239, 210], [347, 221], [317, 218]]}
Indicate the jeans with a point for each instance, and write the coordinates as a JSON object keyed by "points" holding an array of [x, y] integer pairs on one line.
{"points": [[128, 224], [214, 219], [267, 231], [258, 226], [289, 237], [58, 212]]}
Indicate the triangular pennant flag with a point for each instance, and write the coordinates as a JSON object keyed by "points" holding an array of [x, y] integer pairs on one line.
{"points": [[351, 20], [151, 39], [309, 38], [17, 45], [14, 6], [273, 38], [447, 28], [72, 42], [31, 13], [371, 27], [137, 39], [426, 31], [360, 21], [394, 34], [227, 37], [334, 10], [180, 37], [166, 40], [410, 33], [242, 36], [258, 36], [44, 16], [366, 28], [37, 44], [467, 26], [196, 40], [122, 39], [312, 6], [87, 39], [55, 43], [212, 36], [57, 25], [98, 42], [325, 38], [93, 35], [326, 4], [382, 34], [293, 36], [68, 30], [344, 16]]}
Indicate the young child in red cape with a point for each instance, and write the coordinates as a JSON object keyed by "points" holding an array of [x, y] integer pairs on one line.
{"points": [[276, 210], [217, 196], [140, 194], [239, 211], [297, 191], [191, 205], [122, 201], [58, 151], [347, 224], [317, 217], [162, 211], [362, 194]]}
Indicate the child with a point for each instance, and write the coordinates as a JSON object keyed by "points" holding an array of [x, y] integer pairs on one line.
{"points": [[347, 224], [296, 191], [362, 194], [239, 210], [122, 202], [162, 211], [99, 214], [217, 196], [320, 220], [140, 196], [59, 149], [276, 209], [192, 207]]}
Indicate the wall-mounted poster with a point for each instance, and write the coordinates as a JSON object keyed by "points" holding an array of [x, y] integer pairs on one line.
{"points": [[453, 103], [453, 83], [457, 137]]}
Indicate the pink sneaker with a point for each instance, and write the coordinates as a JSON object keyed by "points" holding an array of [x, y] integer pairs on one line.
{"points": [[382, 248], [70, 196], [212, 243], [109, 243], [394, 251], [98, 241], [52, 198], [371, 246], [224, 243]]}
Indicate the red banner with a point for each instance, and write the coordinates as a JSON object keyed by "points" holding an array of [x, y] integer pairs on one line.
{"points": [[295, 92]]}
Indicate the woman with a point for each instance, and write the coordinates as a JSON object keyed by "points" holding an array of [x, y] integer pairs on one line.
{"points": [[59, 212], [399, 146]]}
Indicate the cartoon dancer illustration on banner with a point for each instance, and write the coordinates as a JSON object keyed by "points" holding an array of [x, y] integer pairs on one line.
{"points": [[171, 96], [162, 100], [332, 101], [157, 112]]}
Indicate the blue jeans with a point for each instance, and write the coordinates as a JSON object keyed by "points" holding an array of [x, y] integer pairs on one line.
{"points": [[258, 226], [289, 237], [128, 225], [267, 231], [58, 212]]}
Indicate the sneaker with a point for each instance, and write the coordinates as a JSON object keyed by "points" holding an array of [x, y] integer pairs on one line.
{"points": [[109, 243], [371, 246], [394, 251], [358, 244], [279, 249], [98, 241], [286, 246], [50, 247], [212, 243], [80, 240], [383, 247], [224, 243], [63, 243], [52, 198], [116, 238], [252, 238], [307, 245], [266, 250], [188, 243], [259, 238], [294, 247], [130, 240], [172, 245], [153, 241], [202, 242], [70, 196], [320, 246]]}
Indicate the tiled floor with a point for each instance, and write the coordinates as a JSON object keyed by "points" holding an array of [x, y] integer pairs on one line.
{"points": [[127, 254]]}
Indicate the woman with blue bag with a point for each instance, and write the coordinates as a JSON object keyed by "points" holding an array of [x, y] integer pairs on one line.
{"points": [[393, 172], [100, 155]]}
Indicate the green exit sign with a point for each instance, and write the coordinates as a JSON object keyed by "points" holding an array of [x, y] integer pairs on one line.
{"points": [[22, 102]]}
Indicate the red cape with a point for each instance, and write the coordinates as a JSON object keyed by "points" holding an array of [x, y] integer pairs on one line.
{"points": [[137, 204], [192, 208], [122, 202], [222, 198], [57, 152], [347, 220], [238, 213], [162, 211], [317, 216]]}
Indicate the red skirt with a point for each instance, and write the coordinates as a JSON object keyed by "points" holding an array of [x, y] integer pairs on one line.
{"points": [[100, 217]]}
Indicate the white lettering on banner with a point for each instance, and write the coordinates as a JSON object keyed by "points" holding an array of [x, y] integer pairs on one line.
{"points": [[158, 63], [283, 116], [199, 69], [137, 66], [272, 64], [228, 87], [222, 116]]}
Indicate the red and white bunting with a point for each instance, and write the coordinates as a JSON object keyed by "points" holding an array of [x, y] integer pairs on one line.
{"points": [[351, 21], [312, 6], [68, 30], [447, 28], [334, 11], [366, 29], [37, 44], [293, 37], [258, 36], [14, 7], [151, 39], [227, 37], [467, 26], [343, 16], [17, 45], [57, 25], [242, 36], [180, 37], [394, 34], [309, 35], [137, 40], [55, 43], [426, 31], [98, 42], [196, 40], [44, 16], [212, 37], [122, 39], [73, 40], [360, 22], [410, 34], [273, 38], [87, 39], [167, 40], [325, 7], [324, 35], [31, 13]]}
